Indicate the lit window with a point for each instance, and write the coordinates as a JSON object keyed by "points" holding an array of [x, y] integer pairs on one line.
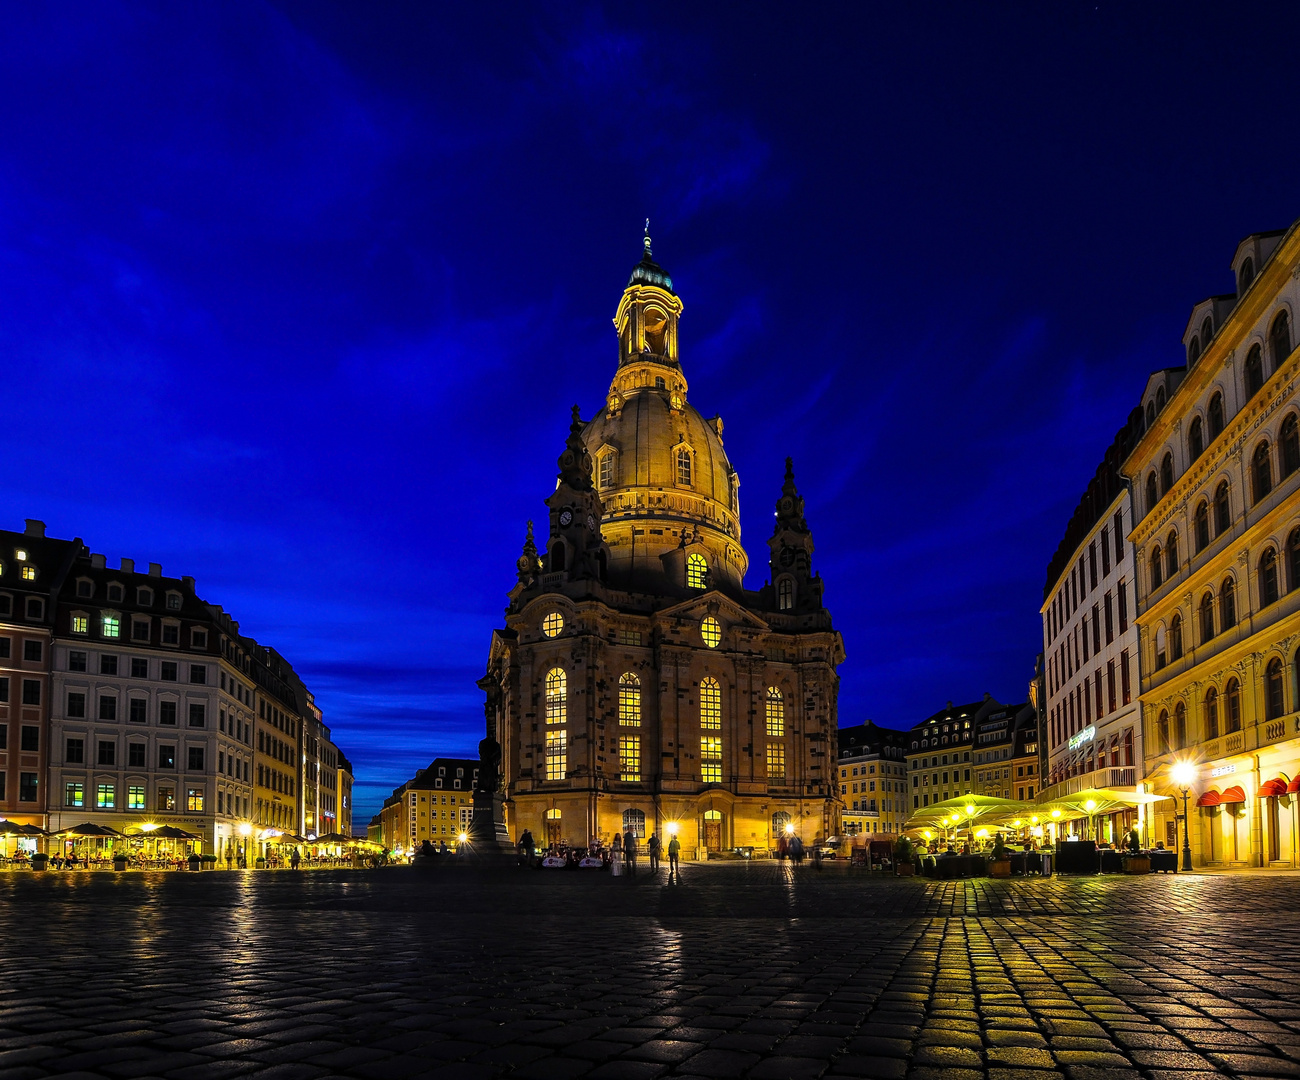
{"points": [[784, 594], [710, 759], [20, 555], [553, 624], [105, 797], [710, 704], [556, 755], [697, 571], [556, 709], [711, 632], [194, 800], [683, 466], [606, 471], [29, 573], [135, 797], [776, 715], [112, 626], [775, 761], [74, 795], [629, 699], [629, 758], [80, 624]]}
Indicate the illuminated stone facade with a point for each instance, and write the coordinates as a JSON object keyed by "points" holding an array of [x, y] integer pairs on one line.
{"points": [[637, 682], [1216, 479]]}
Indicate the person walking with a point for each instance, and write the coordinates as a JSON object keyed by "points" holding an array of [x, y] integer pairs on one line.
{"points": [[653, 847], [294, 859], [527, 845], [629, 851], [616, 863], [674, 850]]}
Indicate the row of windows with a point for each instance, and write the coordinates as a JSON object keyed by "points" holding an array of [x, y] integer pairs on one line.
{"points": [[75, 754], [33, 607], [28, 786], [110, 627], [168, 670], [1075, 711], [1065, 660], [1221, 713], [116, 594], [137, 710], [1094, 757], [31, 691], [106, 797]]}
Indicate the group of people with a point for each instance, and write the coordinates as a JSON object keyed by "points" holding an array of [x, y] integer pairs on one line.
{"points": [[619, 856]]}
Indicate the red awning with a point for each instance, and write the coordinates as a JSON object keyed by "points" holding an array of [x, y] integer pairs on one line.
{"points": [[1276, 786], [1210, 798], [1294, 786], [1232, 795]]}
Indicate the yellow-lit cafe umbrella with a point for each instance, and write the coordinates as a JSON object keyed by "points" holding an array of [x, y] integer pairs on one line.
{"points": [[965, 810]]}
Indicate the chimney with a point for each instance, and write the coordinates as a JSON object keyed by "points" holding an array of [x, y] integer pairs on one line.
{"points": [[155, 569], [188, 582], [34, 528], [128, 566], [97, 562]]}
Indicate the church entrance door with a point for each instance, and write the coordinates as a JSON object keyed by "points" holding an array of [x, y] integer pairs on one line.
{"points": [[553, 826], [712, 830]]}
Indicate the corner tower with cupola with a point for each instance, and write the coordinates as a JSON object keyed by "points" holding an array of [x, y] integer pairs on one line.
{"points": [[636, 682]]}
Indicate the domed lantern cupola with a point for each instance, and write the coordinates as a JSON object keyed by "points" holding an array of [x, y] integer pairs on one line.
{"points": [[646, 322]]}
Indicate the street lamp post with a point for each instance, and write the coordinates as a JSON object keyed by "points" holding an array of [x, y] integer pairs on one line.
{"points": [[1183, 773]]}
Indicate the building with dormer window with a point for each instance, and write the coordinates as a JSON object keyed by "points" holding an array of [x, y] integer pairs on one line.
{"points": [[637, 684]]}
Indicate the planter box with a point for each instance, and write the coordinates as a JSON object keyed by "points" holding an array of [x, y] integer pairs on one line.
{"points": [[40, 861], [1137, 864], [905, 869], [119, 864], [999, 868]]}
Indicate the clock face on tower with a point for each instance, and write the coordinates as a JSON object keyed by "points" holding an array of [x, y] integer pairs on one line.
{"points": [[566, 517], [591, 523]]}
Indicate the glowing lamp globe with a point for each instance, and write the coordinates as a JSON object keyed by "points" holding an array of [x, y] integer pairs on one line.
{"points": [[1183, 773]]}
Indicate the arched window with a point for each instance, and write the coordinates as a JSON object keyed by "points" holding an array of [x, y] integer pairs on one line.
{"points": [[607, 470], [1293, 560], [785, 594], [634, 822], [1289, 437], [557, 709], [1211, 713], [1207, 617], [1201, 526], [1153, 495], [1151, 413], [1171, 555], [557, 556], [697, 571], [1207, 332], [1157, 568], [779, 821], [1160, 398], [1274, 706], [710, 704], [1180, 725], [1214, 414], [775, 713], [1196, 439], [1193, 350], [1231, 707], [1128, 747], [1279, 339], [1228, 604], [1246, 275], [1162, 647], [1254, 370], [1166, 473], [1261, 473], [1268, 592], [1162, 732], [1222, 509], [683, 466], [1176, 638], [629, 699]]}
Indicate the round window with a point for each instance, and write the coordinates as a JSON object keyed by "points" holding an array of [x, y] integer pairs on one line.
{"points": [[553, 624], [711, 632]]}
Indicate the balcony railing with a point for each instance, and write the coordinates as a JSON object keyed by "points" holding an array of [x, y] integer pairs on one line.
{"points": [[1098, 778]]}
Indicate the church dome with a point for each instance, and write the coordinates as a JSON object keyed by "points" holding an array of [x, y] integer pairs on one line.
{"points": [[649, 272]]}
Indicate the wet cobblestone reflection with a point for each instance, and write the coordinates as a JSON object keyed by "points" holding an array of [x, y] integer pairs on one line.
{"points": [[744, 970]]}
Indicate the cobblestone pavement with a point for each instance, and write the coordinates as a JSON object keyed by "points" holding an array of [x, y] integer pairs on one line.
{"points": [[744, 970]]}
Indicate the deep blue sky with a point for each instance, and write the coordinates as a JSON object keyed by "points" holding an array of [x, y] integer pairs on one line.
{"points": [[295, 298]]}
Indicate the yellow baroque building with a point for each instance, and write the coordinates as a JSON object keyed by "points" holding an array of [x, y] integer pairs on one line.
{"points": [[1216, 479], [637, 683]]}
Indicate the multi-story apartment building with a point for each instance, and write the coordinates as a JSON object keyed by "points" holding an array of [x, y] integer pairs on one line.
{"points": [[1217, 538], [939, 753], [998, 750], [437, 805], [344, 782], [32, 570], [1025, 773], [235, 764], [1092, 717], [277, 750], [135, 729], [873, 780]]}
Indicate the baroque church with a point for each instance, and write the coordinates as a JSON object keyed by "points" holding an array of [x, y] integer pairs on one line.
{"points": [[637, 683]]}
